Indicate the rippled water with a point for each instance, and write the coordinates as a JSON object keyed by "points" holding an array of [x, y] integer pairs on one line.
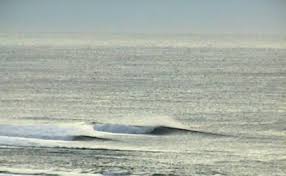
{"points": [[142, 105]]}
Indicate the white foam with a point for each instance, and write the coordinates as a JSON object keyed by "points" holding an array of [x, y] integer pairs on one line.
{"points": [[41, 131]]}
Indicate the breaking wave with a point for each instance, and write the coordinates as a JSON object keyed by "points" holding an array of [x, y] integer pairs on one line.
{"points": [[81, 131], [147, 130]]}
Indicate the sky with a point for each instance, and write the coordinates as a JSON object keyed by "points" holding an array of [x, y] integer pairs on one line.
{"points": [[144, 16]]}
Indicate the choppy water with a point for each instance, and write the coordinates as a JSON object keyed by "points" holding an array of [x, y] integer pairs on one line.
{"points": [[142, 105]]}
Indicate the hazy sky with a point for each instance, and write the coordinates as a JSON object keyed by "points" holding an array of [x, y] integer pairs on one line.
{"points": [[144, 16]]}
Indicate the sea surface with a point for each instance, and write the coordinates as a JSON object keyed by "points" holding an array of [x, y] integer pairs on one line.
{"points": [[118, 104]]}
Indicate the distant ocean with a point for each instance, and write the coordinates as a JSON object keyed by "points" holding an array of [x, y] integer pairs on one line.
{"points": [[98, 104]]}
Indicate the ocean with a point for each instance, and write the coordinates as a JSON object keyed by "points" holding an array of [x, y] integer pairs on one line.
{"points": [[142, 104]]}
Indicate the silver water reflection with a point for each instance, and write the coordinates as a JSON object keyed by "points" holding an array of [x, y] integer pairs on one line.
{"points": [[231, 86]]}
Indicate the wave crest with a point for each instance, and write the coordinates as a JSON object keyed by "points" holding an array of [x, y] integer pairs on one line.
{"points": [[145, 130]]}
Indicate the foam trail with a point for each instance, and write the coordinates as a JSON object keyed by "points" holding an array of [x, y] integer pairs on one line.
{"points": [[8, 171]]}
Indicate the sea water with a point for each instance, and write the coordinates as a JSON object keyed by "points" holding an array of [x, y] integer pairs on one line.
{"points": [[98, 104]]}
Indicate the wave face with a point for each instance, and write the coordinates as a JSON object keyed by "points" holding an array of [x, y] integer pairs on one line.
{"points": [[124, 129]]}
